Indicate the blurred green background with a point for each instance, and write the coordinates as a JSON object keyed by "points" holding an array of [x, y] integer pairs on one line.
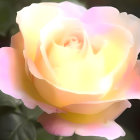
{"points": [[19, 123]]}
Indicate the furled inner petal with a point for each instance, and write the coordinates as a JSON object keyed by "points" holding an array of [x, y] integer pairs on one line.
{"points": [[71, 56], [113, 44]]}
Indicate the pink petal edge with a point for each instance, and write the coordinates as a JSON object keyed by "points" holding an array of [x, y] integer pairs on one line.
{"points": [[72, 10], [58, 126], [11, 84]]}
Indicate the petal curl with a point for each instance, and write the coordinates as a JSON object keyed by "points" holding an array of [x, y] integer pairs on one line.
{"points": [[17, 42], [102, 126], [72, 10], [107, 108], [60, 97], [14, 81], [31, 29], [129, 87], [132, 23], [87, 108], [105, 14], [58, 126], [102, 116]]}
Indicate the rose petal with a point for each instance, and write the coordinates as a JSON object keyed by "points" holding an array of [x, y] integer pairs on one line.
{"points": [[17, 42], [129, 87], [72, 10], [102, 116], [75, 98], [55, 125], [31, 32], [109, 130], [119, 107], [131, 23], [60, 97], [105, 14], [87, 108], [58, 126], [14, 81]]}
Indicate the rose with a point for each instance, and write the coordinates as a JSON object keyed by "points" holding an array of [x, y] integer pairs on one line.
{"points": [[78, 65]]}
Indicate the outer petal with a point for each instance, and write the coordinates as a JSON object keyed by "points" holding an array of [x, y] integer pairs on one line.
{"points": [[102, 116], [102, 126], [58, 126], [60, 97], [110, 130], [30, 23], [17, 42], [14, 81], [105, 14], [129, 87], [55, 125], [107, 108], [72, 10], [87, 108], [132, 23]]}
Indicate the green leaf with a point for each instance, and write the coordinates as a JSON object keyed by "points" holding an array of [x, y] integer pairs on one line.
{"points": [[16, 127], [43, 135], [77, 137], [6, 100], [31, 114], [7, 15]]}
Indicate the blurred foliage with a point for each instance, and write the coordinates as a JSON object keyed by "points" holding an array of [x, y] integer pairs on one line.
{"points": [[16, 121], [19, 123]]}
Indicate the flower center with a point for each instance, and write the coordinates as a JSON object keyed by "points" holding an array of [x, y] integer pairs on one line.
{"points": [[72, 41]]}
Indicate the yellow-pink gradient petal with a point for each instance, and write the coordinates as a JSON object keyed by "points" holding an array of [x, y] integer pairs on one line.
{"points": [[102, 116], [61, 127], [60, 97], [17, 42], [17, 79], [16, 83], [30, 23], [129, 86]]}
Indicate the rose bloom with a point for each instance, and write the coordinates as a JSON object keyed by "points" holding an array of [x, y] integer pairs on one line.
{"points": [[78, 65]]}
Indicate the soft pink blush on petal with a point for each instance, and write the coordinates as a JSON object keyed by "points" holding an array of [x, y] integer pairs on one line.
{"points": [[102, 116], [129, 87], [55, 125], [132, 23], [110, 130], [72, 10], [134, 90], [104, 108], [58, 126], [11, 81], [104, 14]]}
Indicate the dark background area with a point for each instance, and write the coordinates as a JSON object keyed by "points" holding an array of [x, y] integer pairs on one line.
{"points": [[129, 120]]}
